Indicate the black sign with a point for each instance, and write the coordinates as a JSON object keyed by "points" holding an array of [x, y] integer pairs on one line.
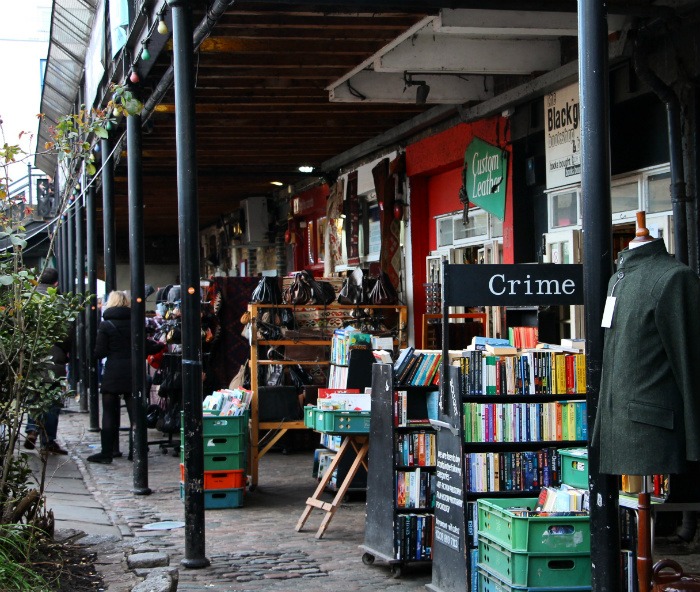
{"points": [[513, 285], [449, 550]]}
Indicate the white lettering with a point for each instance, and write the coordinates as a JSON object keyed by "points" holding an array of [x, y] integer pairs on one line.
{"points": [[491, 285], [568, 286]]}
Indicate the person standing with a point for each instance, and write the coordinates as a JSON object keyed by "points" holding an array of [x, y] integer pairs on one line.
{"points": [[113, 343], [45, 427]]}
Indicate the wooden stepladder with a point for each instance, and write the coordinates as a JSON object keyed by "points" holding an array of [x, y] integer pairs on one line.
{"points": [[359, 444]]}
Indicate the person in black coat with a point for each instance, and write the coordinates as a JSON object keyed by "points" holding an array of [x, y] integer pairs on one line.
{"points": [[114, 343]]}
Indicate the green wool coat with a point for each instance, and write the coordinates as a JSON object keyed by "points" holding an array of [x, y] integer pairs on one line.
{"points": [[648, 418]]}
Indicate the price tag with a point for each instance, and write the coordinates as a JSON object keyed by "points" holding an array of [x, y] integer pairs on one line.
{"points": [[608, 312]]}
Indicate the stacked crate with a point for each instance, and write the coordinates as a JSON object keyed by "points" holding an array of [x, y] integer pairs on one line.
{"points": [[225, 453], [522, 552]]}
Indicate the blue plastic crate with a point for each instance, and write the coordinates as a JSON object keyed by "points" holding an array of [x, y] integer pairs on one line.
{"points": [[219, 499]]}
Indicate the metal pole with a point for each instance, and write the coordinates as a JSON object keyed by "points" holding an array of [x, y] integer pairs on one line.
{"points": [[30, 195], [64, 253], [597, 251], [108, 217], [188, 222], [58, 252], [138, 305], [92, 313], [81, 352], [70, 264]]}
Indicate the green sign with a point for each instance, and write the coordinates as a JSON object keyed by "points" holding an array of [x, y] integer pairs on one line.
{"points": [[485, 176]]}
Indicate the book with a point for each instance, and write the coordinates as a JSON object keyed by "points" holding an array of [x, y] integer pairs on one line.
{"points": [[481, 342], [578, 344], [402, 360], [500, 350]]}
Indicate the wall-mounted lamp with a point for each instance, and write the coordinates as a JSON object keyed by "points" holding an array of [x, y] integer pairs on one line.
{"points": [[422, 89]]}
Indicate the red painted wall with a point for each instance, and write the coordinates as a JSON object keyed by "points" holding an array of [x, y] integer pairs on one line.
{"points": [[434, 168]]}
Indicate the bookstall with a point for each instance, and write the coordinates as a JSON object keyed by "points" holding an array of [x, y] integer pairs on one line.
{"points": [[460, 561]]}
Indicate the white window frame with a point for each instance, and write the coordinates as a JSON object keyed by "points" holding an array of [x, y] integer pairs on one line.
{"points": [[456, 219], [641, 177]]}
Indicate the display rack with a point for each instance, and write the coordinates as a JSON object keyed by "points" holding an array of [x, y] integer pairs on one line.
{"points": [[483, 285], [316, 324], [398, 530]]}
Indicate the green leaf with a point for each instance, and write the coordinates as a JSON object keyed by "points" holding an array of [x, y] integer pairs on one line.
{"points": [[6, 280], [17, 241], [101, 132]]}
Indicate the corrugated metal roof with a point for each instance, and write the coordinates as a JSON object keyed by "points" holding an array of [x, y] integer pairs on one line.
{"points": [[71, 23]]}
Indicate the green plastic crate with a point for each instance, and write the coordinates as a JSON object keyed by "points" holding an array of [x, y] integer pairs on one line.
{"points": [[218, 499], [488, 582], [310, 417], [535, 569], [574, 467], [224, 425], [342, 422], [225, 444], [532, 534], [224, 461]]}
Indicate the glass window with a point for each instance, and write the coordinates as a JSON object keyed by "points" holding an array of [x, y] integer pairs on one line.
{"points": [[564, 209], [625, 197], [445, 232], [496, 227], [477, 225], [660, 193]]}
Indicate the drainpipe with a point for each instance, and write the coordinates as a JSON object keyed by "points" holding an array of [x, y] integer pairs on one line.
{"points": [[675, 146]]}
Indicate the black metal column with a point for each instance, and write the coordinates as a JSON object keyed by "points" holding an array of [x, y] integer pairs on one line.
{"points": [[81, 351], [138, 304], [188, 222], [108, 217], [92, 314], [598, 258], [58, 252], [70, 264]]}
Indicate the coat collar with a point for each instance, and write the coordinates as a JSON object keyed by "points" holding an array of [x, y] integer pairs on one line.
{"points": [[629, 258]]}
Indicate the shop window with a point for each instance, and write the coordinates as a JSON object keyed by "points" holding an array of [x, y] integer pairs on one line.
{"points": [[659, 193], [625, 196], [480, 227], [564, 209], [445, 232]]}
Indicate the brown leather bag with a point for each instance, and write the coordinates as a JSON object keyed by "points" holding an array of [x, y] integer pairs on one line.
{"points": [[668, 576]]}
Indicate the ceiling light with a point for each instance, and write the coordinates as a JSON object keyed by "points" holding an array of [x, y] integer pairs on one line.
{"points": [[306, 169], [277, 183]]}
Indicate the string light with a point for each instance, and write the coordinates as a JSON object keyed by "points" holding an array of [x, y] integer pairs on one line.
{"points": [[162, 27], [145, 54]]}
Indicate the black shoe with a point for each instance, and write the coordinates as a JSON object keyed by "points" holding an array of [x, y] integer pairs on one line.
{"points": [[53, 448], [100, 458], [30, 441], [117, 454]]}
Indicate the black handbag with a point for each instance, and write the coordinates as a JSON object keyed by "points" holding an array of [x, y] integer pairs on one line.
{"points": [[267, 291], [324, 294], [268, 331], [383, 291], [356, 288], [299, 291]]}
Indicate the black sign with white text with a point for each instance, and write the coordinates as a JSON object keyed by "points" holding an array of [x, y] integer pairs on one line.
{"points": [[513, 285]]}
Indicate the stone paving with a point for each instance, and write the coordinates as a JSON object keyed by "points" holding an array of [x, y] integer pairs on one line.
{"points": [[253, 548]]}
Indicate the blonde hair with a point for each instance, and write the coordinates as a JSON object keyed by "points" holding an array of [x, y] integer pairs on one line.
{"points": [[116, 298]]}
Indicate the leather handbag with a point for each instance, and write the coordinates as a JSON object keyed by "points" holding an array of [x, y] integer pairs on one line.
{"points": [[383, 291], [299, 291], [668, 576], [356, 288], [267, 291]]}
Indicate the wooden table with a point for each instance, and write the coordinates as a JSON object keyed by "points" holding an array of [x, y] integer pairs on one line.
{"points": [[359, 443]]}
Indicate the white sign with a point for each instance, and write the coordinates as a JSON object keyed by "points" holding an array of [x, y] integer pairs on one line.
{"points": [[562, 119]]}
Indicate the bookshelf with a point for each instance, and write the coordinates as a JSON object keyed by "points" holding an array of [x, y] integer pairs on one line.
{"points": [[402, 447], [479, 432], [313, 331]]}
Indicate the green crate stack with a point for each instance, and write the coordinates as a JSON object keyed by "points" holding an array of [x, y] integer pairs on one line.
{"points": [[225, 454], [520, 552]]}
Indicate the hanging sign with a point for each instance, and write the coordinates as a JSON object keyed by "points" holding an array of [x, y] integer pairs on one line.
{"points": [[563, 137], [485, 176]]}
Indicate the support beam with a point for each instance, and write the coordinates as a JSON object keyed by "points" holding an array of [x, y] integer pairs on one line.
{"points": [[138, 305], [597, 246], [80, 365], [188, 222], [109, 227], [92, 313]]}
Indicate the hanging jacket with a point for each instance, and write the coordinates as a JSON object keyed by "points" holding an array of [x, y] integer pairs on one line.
{"points": [[648, 417]]}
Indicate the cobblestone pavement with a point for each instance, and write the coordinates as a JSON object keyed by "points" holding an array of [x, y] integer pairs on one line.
{"points": [[252, 548]]}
